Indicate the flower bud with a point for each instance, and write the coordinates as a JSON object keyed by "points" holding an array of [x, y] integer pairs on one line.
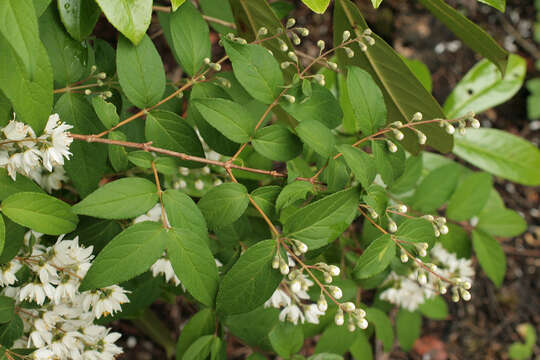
{"points": [[422, 278], [398, 134], [295, 39], [350, 326], [391, 146], [290, 98], [292, 56], [444, 229], [332, 65], [334, 270], [206, 60], [392, 226], [421, 137], [346, 35], [262, 31], [404, 257], [335, 292], [87, 92], [322, 304], [282, 45], [362, 324], [296, 286], [339, 319], [402, 208], [290, 23], [369, 40], [327, 277], [93, 69], [283, 267], [101, 76], [349, 52], [215, 66], [285, 64], [303, 32], [302, 247], [467, 285], [321, 44], [417, 116], [429, 218], [475, 123], [362, 46], [449, 128], [275, 262], [348, 306], [465, 295], [367, 32]]}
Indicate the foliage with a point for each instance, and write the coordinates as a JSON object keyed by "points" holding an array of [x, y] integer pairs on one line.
{"points": [[265, 188]]}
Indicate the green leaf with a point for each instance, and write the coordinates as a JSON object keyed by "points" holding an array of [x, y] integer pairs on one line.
{"points": [[97, 232], [224, 204], [250, 282], [68, 57], [335, 340], [140, 72], [87, 165], [7, 309], [9, 187], [407, 181], [376, 3], [319, 6], [130, 17], [219, 10], [321, 105], [121, 199], [200, 349], [361, 348], [11, 331], [416, 230], [105, 57], [168, 130], [457, 241], [253, 327], [276, 142], [361, 164], [2, 234], [383, 327], [316, 136], [265, 197], [408, 327], [483, 87], [40, 6], [376, 257], [105, 111], [176, 3], [256, 69], [470, 197], [40, 212], [421, 71], [389, 165], [436, 188], [497, 4], [366, 99], [376, 198], [79, 17], [293, 192], [31, 96], [190, 37], [490, 256], [322, 221], [434, 308], [501, 222], [471, 34], [19, 28], [202, 323], [403, 93], [183, 213], [286, 339], [118, 155], [193, 263], [127, 255], [501, 154], [15, 235], [230, 118]]}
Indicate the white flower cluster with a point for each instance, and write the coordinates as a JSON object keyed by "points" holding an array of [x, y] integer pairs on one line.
{"points": [[59, 323], [411, 291], [22, 152]]}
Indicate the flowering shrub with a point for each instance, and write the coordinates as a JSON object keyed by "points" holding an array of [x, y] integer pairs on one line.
{"points": [[282, 194]]}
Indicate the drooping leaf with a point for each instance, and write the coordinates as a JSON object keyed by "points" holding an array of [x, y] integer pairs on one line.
{"points": [[130, 17], [121, 199], [470, 197], [15, 235], [256, 69], [403, 94], [471, 34], [316, 136], [376, 257], [319, 6], [483, 87], [320, 222], [410, 176], [129, 254], [251, 281], [224, 204], [361, 164], [501, 154], [388, 164], [79, 17], [40, 212], [193, 263], [200, 349], [190, 37], [140, 71], [276, 142], [490, 256]]}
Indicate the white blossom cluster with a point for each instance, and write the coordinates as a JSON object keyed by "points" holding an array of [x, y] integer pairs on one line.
{"points": [[412, 290], [59, 323], [21, 151]]}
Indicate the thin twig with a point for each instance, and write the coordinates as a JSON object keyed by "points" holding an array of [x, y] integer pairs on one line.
{"points": [[205, 17]]}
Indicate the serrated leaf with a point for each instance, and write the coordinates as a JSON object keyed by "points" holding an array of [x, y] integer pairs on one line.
{"points": [[40, 212], [190, 37], [105, 111], [265, 197], [140, 72], [183, 213], [389, 165], [293, 192], [168, 130], [127, 255], [130, 17], [224, 204], [317, 136], [361, 164], [408, 327], [79, 17], [320, 222], [256, 69], [483, 87], [436, 188], [251, 281], [470, 197], [230, 118], [376, 257], [121, 199], [490, 256], [277, 143], [416, 230], [193, 263], [202, 323], [501, 154], [366, 100], [376, 198], [11, 331]]}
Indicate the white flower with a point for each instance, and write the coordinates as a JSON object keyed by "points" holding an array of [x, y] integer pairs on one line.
{"points": [[8, 271], [110, 301], [291, 313], [36, 292], [278, 299], [43, 354], [164, 266], [52, 181], [312, 313], [154, 214], [15, 130]]}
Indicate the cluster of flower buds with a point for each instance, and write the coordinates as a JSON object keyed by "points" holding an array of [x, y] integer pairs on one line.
{"points": [[237, 39], [439, 224], [212, 65], [471, 119], [22, 152], [278, 262], [461, 290], [356, 317], [363, 41]]}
